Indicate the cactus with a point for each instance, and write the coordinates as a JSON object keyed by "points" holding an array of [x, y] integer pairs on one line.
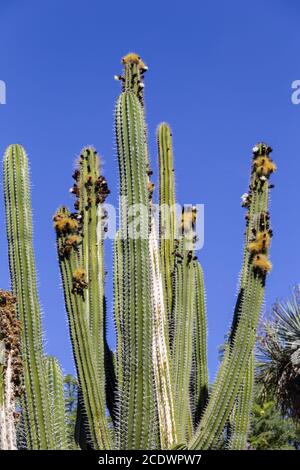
{"points": [[239, 422], [167, 215], [199, 380], [76, 285], [137, 410], [55, 384], [249, 302], [35, 402], [155, 386]]}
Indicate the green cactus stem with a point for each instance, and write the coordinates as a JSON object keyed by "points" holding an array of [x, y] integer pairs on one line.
{"points": [[134, 69], [55, 383], [184, 320], [199, 379], [137, 426], [167, 215], [243, 334], [76, 284], [35, 404], [240, 417], [91, 190]]}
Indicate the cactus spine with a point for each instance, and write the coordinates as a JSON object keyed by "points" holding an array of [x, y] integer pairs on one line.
{"points": [[35, 403]]}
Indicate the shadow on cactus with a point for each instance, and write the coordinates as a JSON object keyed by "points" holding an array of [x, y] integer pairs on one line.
{"points": [[152, 392]]}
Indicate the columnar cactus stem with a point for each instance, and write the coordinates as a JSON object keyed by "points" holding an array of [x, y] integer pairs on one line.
{"points": [[167, 219], [239, 421], [75, 283], [134, 69], [232, 371], [184, 320], [137, 414], [35, 405], [55, 382], [119, 300], [10, 370], [91, 191], [161, 353], [199, 380]]}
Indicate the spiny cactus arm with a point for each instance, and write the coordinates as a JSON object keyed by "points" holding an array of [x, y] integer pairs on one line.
{"points": [[134, 69], [262, 168], [255, 242], [137, 413], [91, 190], [10, 370], [35, 404], [240, 417], [199, 379], [161, 352], [75, 286], [232, 370], [184, 318], [55, 383], [167, 215]]}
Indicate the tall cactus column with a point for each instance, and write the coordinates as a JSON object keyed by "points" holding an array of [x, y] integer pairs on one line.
{"points": [[184, 295], [137, 412], [91, 190], [256, 267], [35, 404], [80, 252], [184, 320], [199, 378], [167, 219]]}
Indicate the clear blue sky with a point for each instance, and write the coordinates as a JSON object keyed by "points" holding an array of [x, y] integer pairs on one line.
{"points": [[220, 73]]}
